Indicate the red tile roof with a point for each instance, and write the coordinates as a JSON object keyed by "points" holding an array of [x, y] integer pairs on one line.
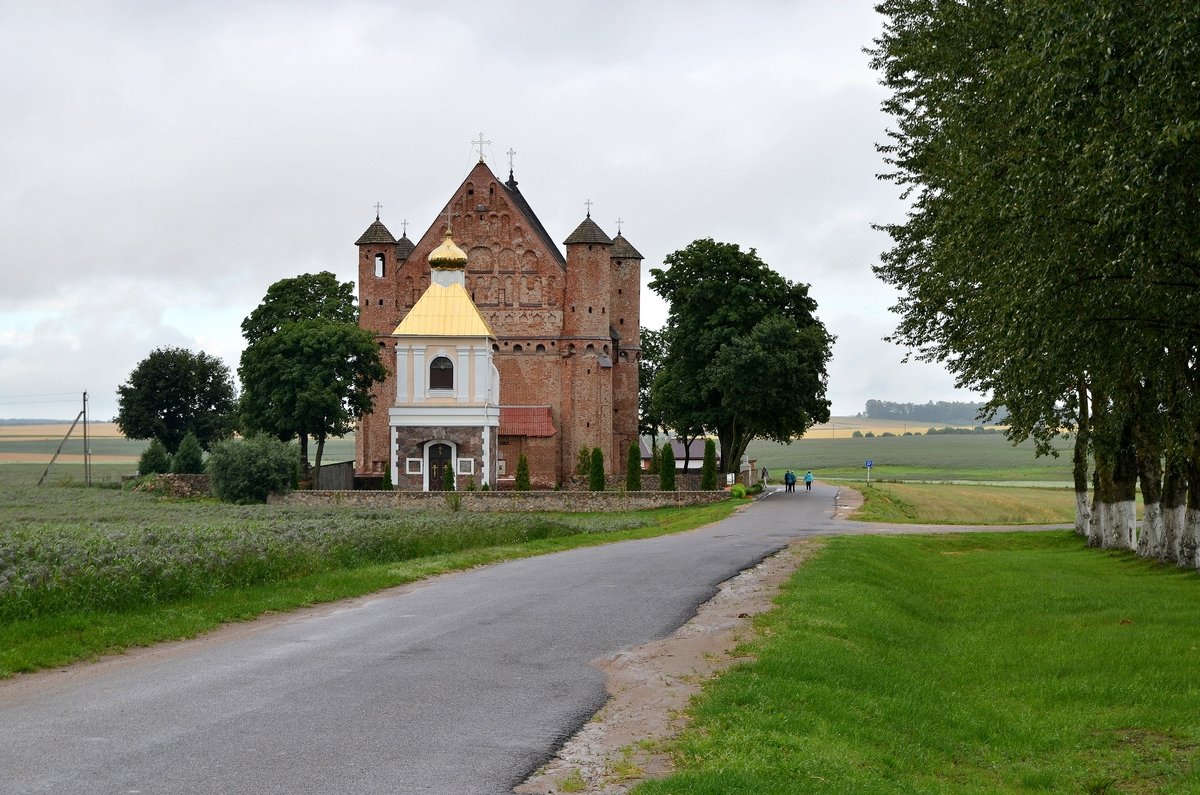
{"points": [[526, 421]]}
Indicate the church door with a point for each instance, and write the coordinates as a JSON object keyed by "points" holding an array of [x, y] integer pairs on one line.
{"points": [[440, 460]]}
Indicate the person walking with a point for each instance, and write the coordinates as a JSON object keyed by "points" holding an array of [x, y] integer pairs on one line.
{"points": [[764, 476], [808, 479], [789, 481]]}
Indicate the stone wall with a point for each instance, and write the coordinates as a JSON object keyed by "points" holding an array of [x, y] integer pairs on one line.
{"points": [[488, 501]]}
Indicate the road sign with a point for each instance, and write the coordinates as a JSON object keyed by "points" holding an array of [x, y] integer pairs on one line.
{"points": [[870, 463]]}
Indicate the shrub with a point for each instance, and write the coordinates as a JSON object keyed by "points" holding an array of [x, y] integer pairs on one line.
{"points": [[869, 434], [633, 467], [189, 458], [583, 465], [738, 490], [755, 489], [856, 435], [655, 455], [471, 484], [247, 470], [667, 469], [485, 486], [708, 470], [886, 435], [522, 483], [155, 459], [596, 473], [387, 477], [448, 482]]}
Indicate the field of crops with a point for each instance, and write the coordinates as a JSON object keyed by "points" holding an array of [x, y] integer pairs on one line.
{"points": [[972, 457], [68, 548]]}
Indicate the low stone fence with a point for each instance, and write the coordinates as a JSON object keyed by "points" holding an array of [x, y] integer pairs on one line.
{"points": [[487, 501]]}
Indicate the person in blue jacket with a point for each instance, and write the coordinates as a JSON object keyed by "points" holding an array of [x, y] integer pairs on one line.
{"points": [[808, 479]]}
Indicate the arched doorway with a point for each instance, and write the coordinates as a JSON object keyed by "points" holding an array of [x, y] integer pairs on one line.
{"points": [[441, 458]]}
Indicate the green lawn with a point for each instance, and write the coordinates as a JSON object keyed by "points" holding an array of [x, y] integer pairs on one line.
{"points": [[996, 663]]}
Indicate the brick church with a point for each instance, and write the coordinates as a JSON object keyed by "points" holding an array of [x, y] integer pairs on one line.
{"points": [[486, 294]]}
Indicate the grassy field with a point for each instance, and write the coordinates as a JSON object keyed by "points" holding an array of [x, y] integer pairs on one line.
{"points": [[996, 663], [84, 571], [938, 503], [972, 457]]}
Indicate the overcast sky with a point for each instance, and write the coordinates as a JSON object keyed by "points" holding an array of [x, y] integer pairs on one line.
{"points": [[162, 164]]}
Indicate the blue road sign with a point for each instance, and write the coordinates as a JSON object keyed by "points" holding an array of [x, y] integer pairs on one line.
{"points": [[870, 463]]}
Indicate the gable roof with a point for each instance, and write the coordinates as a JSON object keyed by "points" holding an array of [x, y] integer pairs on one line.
{"points": [[444, 312], [518, 200]]}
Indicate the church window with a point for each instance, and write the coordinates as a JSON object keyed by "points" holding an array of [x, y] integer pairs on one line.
{"points": [[540, 348], [495, 347], [517, 348], [379, 267], [441, 373], [381, 302], [590, 347]]}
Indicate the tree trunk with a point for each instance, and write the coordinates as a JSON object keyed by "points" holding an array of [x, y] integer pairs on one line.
{"points": [[1151, 541], [1125, 475], [316, 471], [1083, 512], [1174, 509], [1189, 539]]}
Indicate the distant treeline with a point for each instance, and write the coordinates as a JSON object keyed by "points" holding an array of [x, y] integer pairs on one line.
{"points": [[946, 411]]}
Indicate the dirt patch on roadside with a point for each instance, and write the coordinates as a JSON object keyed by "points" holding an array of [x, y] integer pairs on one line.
{"points": [[649, 686]]}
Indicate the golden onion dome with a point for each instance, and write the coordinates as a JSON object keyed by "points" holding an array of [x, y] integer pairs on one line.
{"points": [[447, 255]]}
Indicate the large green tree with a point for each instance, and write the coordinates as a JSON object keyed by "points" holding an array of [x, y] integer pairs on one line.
{"points": [[650, 420], [173, 391], [308, 369], [745, 355], [1050, 257]]}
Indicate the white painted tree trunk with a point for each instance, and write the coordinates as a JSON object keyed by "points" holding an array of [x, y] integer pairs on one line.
{"points": [[1096, 524], [1083, 513], [1150, 537], [1124, 524], [1189, 539], [1174, 523]]}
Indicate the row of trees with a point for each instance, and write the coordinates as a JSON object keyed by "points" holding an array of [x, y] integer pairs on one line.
{"points": [[742, 355], [953, 412], [306, 373], [1051, 256]]}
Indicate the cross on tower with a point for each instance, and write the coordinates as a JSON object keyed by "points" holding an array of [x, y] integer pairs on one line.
{"points": [[480, 144], [618, 226], [510, 154], [378, 207], [404, 228], [589, 207]]}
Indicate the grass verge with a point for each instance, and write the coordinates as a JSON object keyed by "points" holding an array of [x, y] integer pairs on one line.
{"points": [[65, 636], [958, 664]]}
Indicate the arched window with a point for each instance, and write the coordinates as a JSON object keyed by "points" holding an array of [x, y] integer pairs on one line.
{"points": [[441, 373], [379, 270]]}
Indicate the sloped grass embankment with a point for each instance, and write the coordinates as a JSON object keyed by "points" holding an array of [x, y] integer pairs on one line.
{"points": [[982, 663]]}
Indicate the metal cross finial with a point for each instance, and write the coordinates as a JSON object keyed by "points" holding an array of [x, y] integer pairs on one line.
{"points": [[480, 144], [618, 226], [510, 154], [378, 207], [404, 228], [589, 207]]}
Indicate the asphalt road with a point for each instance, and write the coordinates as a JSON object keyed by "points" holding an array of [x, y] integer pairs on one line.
{"points": [[460, 686]]}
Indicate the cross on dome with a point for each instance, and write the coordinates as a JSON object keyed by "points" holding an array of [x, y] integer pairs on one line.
{"points": [[588, 203], [378, 207]]}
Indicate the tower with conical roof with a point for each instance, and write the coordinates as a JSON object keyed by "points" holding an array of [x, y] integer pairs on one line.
{"points": [[569, 378]]}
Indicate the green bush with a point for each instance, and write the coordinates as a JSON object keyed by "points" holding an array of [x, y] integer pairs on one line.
{"points": [[596, 472], [247, 470], [387, 478], [633, 467], [448, 481], [708, 471], [655, 456], [485, 486], [522, 483], [189, 458], [583, 464], [856, 435], [738, 490], [155, 459], [666, 474], [755, 489]]}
